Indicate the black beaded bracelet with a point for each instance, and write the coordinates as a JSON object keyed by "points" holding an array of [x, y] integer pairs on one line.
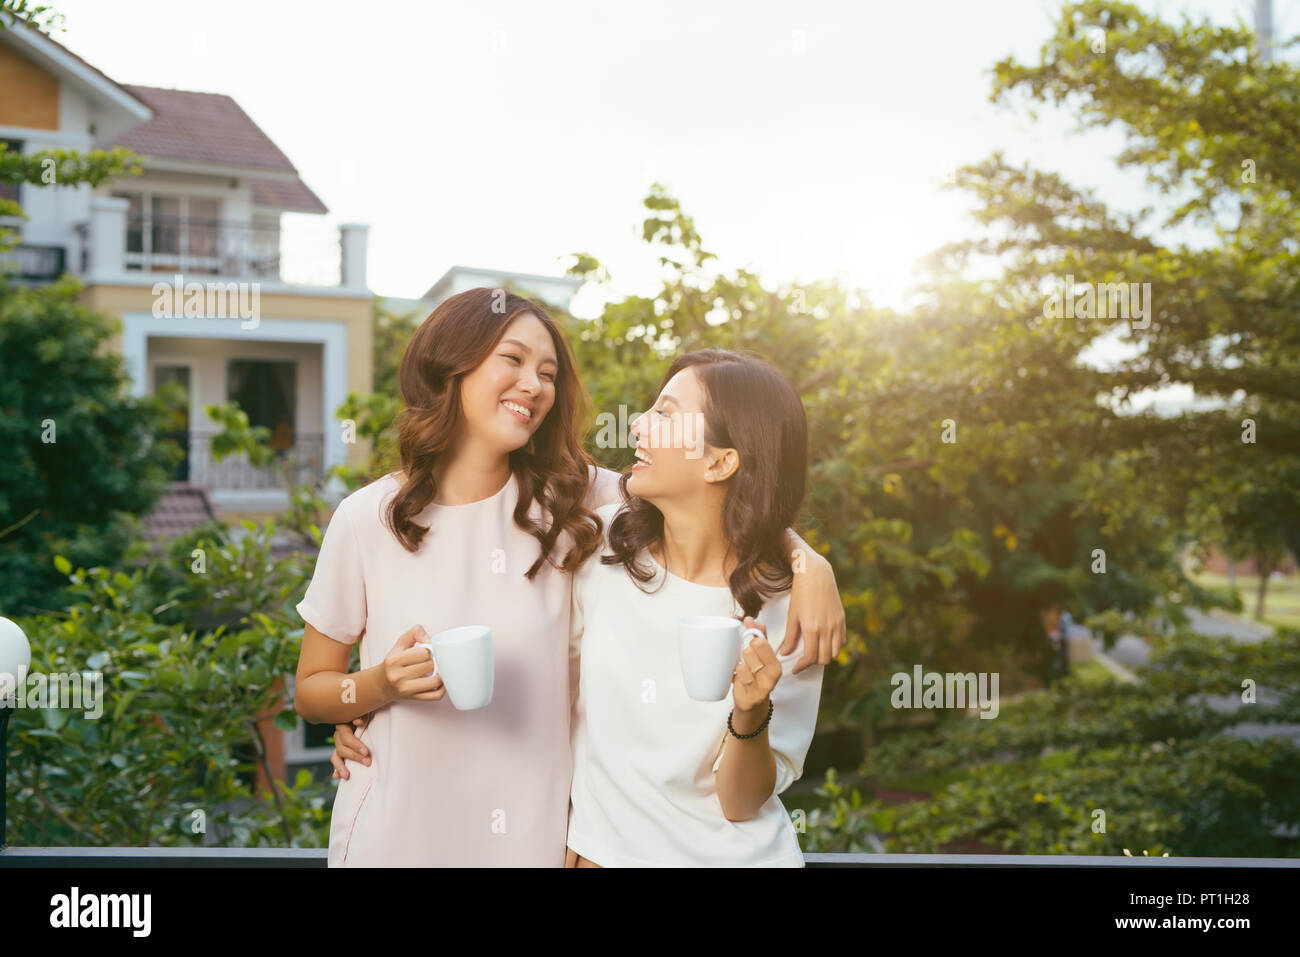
{"points": [[757, 731]]}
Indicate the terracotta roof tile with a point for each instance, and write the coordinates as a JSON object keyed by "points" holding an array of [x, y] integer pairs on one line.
{"points": [[213, 128], [180, 509], [203, 127], [287, 195]]}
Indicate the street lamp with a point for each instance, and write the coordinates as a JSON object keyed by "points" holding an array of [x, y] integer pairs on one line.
{"points": [[15, 659]]}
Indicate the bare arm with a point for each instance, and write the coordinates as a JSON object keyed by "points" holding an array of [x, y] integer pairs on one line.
{"points": [[746, 776], [325, 693], [816, 611]]}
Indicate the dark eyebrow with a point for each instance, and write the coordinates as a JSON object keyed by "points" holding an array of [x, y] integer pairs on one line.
{"points": [[529, 351]]}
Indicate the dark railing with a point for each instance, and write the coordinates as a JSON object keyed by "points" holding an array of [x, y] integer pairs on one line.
{"points": [[32, 263], [202, 246], [316, 857], [303, 453]]}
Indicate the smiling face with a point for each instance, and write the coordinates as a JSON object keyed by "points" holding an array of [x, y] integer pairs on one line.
{"points": [[506, 397], [674, 459]]}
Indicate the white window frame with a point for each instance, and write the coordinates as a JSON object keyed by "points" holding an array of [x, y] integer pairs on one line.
{"points": [[147, 260]]}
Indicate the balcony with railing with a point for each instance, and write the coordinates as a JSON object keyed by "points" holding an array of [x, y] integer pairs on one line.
{"points": [[117, 244], [205, 247], [298, 459], [33, 263]]}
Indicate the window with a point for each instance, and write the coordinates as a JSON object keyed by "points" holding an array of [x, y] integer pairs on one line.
{"points": [[167, 233], [10, 190], [165, 225], [134, 223], [202, 228]]}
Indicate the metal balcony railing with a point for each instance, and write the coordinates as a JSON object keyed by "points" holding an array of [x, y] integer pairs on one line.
{"points": [[115, 241], [29, 262], [303, 453], [231, 249], [202, 247]]}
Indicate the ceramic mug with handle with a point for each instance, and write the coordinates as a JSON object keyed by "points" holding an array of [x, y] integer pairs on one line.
{"points": [[709, 647], [463, 656]]}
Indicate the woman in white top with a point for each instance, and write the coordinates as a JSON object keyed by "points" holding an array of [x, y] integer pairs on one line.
{"points": [[660, 778]]}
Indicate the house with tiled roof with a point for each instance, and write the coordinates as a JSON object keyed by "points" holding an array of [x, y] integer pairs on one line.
{"points": [[193, 256], [206, 213]]}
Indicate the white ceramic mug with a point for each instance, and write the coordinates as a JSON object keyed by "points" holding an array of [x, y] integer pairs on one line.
{"points": [[463, 656], [709, 647]]}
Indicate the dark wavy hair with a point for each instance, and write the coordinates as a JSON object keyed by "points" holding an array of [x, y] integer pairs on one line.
{"points": [[751, 407], [552, 468]]}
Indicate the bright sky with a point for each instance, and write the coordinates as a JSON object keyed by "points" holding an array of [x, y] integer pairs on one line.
{"points": [[807, 139]]}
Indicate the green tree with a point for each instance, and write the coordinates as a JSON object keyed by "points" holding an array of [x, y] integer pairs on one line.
{"points": [[947, 552], [1098, 767], [393, 330], [80, 458], [1212, 123]]}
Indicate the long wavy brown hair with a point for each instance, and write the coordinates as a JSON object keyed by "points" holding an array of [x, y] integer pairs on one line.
{"points": [[551, 469], [751, 407]]}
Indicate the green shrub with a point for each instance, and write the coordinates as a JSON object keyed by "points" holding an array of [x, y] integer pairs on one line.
{"points": [[1156, 757], [190, 663]]}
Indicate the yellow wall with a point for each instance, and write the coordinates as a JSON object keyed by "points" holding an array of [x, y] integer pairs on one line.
{"points": [[356, 312], [31, 95]]}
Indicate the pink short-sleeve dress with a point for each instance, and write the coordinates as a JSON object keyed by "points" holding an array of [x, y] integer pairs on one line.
{"points": [[488, 787]]}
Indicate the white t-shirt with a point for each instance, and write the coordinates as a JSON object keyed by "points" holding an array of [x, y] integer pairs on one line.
{"points": [[645, 754]]}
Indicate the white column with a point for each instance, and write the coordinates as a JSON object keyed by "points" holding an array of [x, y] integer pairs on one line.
{"points": [[352, 265], [107, 237], [334, 392]]}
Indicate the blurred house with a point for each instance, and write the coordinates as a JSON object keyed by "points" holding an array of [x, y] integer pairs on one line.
{"points": [[214, 293], [206, 215], [547, 290]]}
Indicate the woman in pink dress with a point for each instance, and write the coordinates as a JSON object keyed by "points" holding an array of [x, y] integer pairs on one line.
{"points": [[489, 517]]}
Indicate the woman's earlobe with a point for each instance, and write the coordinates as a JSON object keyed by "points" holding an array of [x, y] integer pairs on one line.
{"points": [[724, 466]]}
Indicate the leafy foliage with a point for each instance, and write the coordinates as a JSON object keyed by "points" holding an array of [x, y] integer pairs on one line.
{"points": [[193, 664], [1162, 762], [971, 470], [58, 167], [80, 458]]}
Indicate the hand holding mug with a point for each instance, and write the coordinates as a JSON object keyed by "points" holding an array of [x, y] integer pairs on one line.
{"points": [[406, 671], [464, 657], [756, 674]]}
